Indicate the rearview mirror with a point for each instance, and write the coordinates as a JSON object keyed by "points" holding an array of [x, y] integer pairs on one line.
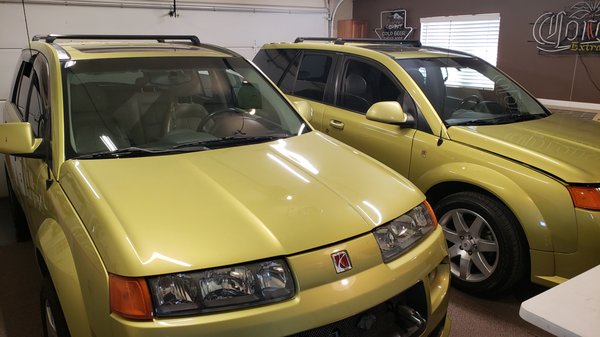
{"points": [[304, 109], [17, 138], [389, 112]]}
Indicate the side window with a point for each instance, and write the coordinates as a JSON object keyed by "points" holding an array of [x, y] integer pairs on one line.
{"points": [[38, 109], [22, 93], [35, 108], [312, 76], [365, 84], [274, 62], [289, 78]]}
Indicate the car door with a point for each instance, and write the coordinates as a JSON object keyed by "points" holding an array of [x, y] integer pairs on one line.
{"points": [[361, 84], [34, 170]]}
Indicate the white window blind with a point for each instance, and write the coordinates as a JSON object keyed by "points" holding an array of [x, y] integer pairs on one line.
{"points": [[473, 34]]}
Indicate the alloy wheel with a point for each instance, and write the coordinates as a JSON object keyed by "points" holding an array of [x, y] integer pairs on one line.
{"points": [[472, 245]]}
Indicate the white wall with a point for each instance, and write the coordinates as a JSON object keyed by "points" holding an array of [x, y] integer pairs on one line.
{"points": [[242, 25]]}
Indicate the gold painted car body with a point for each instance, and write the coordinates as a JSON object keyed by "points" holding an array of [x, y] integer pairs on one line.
{"points": [[301, 198], [526, 166]]}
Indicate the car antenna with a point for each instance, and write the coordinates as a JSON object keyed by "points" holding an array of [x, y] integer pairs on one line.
{"points": [[26, 27], [440, 139]]}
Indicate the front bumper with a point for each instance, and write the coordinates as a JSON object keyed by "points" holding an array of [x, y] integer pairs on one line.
{"points": [[417, 280], [552, 268]]}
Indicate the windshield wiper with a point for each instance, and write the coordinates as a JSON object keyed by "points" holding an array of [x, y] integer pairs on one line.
{"points": [[134, 152], [232, 141], [498, 120], [471, 122]]}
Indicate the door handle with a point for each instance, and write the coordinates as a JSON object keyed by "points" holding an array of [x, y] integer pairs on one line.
{"points": [[336, 124]]}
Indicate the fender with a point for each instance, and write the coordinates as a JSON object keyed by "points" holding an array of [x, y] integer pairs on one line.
{"points": [[58, 257], [505, 188]]}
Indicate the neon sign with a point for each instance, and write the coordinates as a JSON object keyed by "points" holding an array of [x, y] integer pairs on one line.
{"points": [[393, 25], [576, 29]]}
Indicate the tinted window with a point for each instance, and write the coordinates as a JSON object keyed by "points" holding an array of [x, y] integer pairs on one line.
{"points": [[39, 109], [35, 112], [24, 85], [364, 84], [312, 76], [286, 84], [273, 62]]}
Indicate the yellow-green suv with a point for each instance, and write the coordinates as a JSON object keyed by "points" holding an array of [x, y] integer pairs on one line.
{"points": [[171, 190], [516, 188]]}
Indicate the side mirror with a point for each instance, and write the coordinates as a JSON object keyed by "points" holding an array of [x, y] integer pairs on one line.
{"points": [[389, 112], [17, 138], [304, 109]]}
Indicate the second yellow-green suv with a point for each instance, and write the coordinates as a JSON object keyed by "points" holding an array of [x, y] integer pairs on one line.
{"points": [[516, 188], [171, 190]]}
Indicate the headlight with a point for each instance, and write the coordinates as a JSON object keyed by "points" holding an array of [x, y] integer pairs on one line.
{"points": [[398, 235], [221, 289]]}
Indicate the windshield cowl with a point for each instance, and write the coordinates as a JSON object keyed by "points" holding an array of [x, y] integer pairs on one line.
{"points": [[507, 119]]}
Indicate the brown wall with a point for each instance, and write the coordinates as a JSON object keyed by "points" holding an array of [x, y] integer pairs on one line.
{"points": [[551, 76]]}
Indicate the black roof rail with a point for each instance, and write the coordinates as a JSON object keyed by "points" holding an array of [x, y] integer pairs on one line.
{"points": [[449, 51], [50, 38], [414, 43], [302, 39]]}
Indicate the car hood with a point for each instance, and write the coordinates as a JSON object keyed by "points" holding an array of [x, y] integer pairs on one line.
{"points": [[563, 146], [171, 213]]}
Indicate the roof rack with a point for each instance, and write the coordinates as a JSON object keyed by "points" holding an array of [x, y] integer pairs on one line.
{"points": [[50, 38], [339, 40]]}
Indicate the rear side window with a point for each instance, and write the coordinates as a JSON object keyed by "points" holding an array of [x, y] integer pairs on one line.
{"points": [[274, 62], [312, 76]]}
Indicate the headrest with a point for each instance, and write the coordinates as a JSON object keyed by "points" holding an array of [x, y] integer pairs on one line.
{"points": [[416, 75], [187, 88], [355, 85]]}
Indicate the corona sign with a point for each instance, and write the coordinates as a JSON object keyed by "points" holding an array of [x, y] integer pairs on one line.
{"points": [[576, 29]]}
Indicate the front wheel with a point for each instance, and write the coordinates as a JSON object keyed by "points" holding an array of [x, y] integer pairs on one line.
{"points": [[488, 253], [53, 319]]}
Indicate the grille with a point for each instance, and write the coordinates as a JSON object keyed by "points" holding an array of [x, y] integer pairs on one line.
{"points": [[404, 315]]}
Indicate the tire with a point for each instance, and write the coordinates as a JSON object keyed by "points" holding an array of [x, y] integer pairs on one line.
{"points": [[53, 319], [16, 213], [487, 250]]}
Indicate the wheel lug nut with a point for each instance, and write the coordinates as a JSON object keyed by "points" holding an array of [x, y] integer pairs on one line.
{"points": [[462, 237]]}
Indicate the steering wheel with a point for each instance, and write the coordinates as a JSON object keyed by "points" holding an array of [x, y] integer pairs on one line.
{"points": [[473, 100], [212, 115]]}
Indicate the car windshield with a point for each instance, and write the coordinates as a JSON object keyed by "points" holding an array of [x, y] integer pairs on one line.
{"points": [[155, 106], [469, 91]]}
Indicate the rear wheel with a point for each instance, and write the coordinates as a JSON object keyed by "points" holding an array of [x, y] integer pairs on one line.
{"points": [[16, 213], [53, 319], [488, 253]]}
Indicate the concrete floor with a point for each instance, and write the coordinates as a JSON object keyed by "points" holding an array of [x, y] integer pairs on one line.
{"points": [[20, 312]]}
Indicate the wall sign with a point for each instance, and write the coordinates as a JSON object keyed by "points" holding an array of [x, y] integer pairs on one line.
{"points": [[574, 30], [393, 25]]}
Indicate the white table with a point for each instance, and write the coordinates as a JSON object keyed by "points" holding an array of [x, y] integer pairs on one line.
{"points": [[569, 309]]}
